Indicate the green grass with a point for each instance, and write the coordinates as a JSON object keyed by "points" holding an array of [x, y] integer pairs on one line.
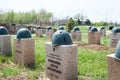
{"points": [[91, 63]]}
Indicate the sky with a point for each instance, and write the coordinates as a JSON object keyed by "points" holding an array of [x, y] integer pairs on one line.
{"points": [[95, 10]]}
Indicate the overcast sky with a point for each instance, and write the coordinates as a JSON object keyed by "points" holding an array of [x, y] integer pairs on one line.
{"points": [[96, 10]]}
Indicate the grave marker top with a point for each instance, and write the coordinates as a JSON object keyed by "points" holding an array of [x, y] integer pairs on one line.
{"points": [[3, 30], [23, 33], [49, 28], [102, 28], [61, 37], [89, 27], [93, 29], [117, 51], [38, 27], [76, 29], [115, 30], [61, 28]]}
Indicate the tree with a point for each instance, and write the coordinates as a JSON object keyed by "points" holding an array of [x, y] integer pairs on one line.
{"points": [[87, 22], [70, 24]]}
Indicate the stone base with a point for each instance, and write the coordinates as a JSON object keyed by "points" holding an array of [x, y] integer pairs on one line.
{"points": [[5, 45], [24, 51], [113, 67], [50, 33], [61, 62], [39, 32], [94, 37], [76, 35], [114, 39], [103, 33]]}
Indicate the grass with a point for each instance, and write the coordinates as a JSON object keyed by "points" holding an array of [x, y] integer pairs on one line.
{"points": [[91, 63]]}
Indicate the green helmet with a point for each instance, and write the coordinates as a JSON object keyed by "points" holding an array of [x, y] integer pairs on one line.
{"points": [[23, 33], [49, 28], [61, 28], [93, 29], [117, 51], [102, 28], [38, 27], [3, 30], [76, 29], [61, 37], [115, 30]]}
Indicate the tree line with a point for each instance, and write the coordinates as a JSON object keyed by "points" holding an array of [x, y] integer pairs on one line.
{"points": [[25, 17]]}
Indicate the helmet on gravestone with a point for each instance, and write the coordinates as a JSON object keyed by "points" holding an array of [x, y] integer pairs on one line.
{"points": [[49, 28], [23, 33], [76, 29], [89, 27], [102, 28], [117, 51], [93, 29], [38, 27], [115, 30], [61, 28], [3, 30], [61, 37]]}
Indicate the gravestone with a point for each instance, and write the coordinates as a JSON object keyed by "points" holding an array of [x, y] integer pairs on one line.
{"points": [[24, 48], [103, 33], [61, 57], [94, 37], [39, 32], [49, 32], [76, 34], [114, 38], [113, 62], [5, 42]]}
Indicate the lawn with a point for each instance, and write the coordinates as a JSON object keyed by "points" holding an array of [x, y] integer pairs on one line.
{"points": [[92, 63]]}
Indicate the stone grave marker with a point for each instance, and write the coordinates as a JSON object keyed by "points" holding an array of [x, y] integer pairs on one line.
{"points": [[61, 57], [38, 31], [5, 42], [76, 34], [93, 36], [102, 32], [113, 64], [49, 32], [24, 48], [114, 37]]}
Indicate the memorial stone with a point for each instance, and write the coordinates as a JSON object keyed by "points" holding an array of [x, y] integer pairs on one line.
{"points": [[93, 36], [102, 31], [39, 31], [49, 32], [5, 42], [61, 57], [24, 48]]}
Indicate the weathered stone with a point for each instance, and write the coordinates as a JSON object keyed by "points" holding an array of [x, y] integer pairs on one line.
{"points": [[61, 62], [94, 37], [5, 45], [113, 67], [114, 38], [50, 33], [103, 33], [24, 51], [39, 32], [76, 35]]}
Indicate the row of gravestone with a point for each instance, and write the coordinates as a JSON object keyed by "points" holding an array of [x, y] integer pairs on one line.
{"points": [[76, 33], [61, 54]]}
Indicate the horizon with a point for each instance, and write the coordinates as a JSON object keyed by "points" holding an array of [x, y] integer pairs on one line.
{"points": [[94, 10]]}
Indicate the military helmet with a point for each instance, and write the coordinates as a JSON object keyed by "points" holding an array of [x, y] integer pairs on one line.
{"points": [[89, 27], [115, 30], [49, 28], [93, 29], [3, 30], [117, 51], [38, 27], [102, 28], [76, 29], [61, 37], [23, 33], [61, 28]]}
